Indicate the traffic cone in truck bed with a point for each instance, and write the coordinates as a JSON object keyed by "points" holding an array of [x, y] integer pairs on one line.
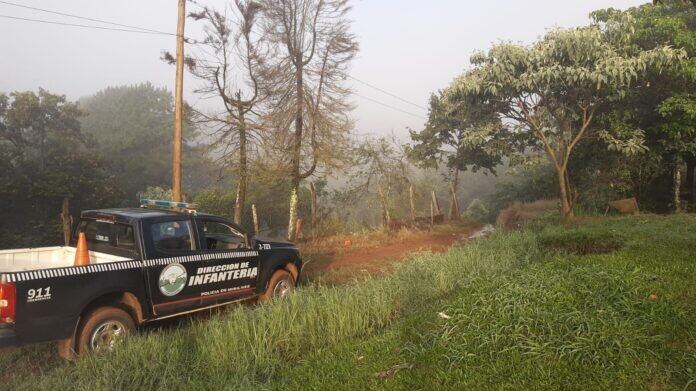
{"points": [[81, 252]]}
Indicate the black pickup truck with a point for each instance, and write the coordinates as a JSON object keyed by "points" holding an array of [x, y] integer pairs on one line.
{"points": [[145, 264]]}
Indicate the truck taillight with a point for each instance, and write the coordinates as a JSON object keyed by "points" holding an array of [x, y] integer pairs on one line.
{"points": [[8, 296]]}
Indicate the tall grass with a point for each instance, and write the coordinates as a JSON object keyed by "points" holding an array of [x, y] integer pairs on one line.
{"points": [[510, 307], [247, 345]]}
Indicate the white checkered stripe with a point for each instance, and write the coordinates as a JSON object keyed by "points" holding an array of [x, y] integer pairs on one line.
{"points": [[72, 271], [122, 265], [229, 254]]}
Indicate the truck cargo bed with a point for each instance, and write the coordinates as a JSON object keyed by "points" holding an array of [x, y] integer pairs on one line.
{"points": [[27, 259]]}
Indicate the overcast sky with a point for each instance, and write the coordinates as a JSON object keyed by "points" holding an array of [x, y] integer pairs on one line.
{"points": [[409, 48]]}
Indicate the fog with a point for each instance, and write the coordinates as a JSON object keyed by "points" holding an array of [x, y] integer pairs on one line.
{"points": [[408, 48]]}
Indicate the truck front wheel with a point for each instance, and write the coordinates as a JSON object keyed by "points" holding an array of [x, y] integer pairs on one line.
{"points": [[102, 329], [279, 286]]}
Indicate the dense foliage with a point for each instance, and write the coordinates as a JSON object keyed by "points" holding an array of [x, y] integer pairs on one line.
{"points": [[131, 128], [610, 105], [44, 160]]}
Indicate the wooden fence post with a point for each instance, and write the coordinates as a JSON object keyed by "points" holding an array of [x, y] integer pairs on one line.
{"points": [[435, 203], [454, 209], [432, 214], [255, 217], [313, 193], [412, 204], [66, 219], [385, 208], [298, 228]]}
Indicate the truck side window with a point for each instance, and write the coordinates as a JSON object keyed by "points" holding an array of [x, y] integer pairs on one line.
{"points": [[173, 236], [220, 236]]}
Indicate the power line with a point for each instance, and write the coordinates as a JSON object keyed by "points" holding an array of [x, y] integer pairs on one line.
{"points": [[81, 25], [389, 106], [388, 93], [86, 18], [143, 30]]}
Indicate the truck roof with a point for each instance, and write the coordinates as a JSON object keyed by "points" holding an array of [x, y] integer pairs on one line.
{"points": [[131, 214]]}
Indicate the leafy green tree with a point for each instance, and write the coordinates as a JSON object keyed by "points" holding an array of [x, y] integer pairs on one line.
{"points": [[551, 91], [131, 127], [661, 102], [463, 137], [34, 124], [679, 136], [43, 160]]}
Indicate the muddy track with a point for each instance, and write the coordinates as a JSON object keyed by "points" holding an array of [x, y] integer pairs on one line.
{"points": [[339, 262]]}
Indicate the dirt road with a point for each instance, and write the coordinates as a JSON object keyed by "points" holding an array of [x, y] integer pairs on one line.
{"points": [[339, 259]]}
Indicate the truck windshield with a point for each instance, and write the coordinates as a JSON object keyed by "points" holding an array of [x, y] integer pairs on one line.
{"points": [[102, 236]]}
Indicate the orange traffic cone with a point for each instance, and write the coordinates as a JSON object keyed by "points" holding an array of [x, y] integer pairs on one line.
{"points": [[81, 253]]}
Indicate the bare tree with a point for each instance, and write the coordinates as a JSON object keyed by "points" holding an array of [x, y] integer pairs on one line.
{"points": [[380, 163], [312, 50], [229, 61]]}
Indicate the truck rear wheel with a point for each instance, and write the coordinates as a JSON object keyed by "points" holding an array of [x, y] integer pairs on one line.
{"points": [[279, 286], [102, 329]]}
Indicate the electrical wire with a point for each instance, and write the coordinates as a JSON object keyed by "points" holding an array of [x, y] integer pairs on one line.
{"points": [[387, 92], [86, 18], [143, 30], [389, 106], [80, 25]]}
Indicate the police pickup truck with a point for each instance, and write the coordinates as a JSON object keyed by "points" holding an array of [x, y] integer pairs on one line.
{"points": [[145, 264]]}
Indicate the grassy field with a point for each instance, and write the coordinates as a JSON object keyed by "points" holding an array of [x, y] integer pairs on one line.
{"points": [[614, 309]]}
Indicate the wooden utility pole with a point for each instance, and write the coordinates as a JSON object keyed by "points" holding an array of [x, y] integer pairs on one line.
{"points": [[178, 104]]}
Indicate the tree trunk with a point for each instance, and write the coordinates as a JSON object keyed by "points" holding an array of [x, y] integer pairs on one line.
{"points": [[243, 174], [676, 184], [454, 205], [255, 218], [690, 184], [566, 204], [66, 219], [313, 192], [386, 216], [296, 150], [411, 202], [293, 210]]}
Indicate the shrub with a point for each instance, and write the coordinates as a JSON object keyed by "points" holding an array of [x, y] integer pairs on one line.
{"points": [[519, 214], [156, 193], [477, 210]]}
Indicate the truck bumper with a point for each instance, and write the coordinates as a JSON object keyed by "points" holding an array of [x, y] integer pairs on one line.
{"points": [[8, 338]]}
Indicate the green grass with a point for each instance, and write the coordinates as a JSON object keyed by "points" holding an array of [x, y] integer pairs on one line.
{"points": [[516, 316]]}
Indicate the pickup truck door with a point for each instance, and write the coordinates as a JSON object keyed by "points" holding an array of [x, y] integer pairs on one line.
{"points": [[230, 268], [173, 256]]}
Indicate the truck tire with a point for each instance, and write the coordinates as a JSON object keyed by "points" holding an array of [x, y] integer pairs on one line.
{"points": [[102, 329], [279, 286]]}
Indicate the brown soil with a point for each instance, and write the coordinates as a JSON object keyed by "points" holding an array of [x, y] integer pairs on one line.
{"points": [[333, 260]]}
